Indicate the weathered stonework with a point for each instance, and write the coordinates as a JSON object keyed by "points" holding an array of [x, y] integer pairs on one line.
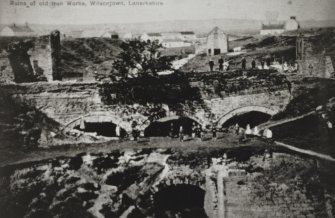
{"points": [[232, 187], [69, 104]]}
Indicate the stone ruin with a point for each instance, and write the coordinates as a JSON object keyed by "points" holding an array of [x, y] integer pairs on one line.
{"points": [[313, 63], [32, 59], [167, 183]]}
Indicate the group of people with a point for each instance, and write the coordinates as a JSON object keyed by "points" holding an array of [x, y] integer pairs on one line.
{"points": [[263, 61], [196, 132], [253, 132], [223, 64]]}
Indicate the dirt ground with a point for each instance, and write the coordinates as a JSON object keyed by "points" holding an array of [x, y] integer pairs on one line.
{"points": [[10, 155]]}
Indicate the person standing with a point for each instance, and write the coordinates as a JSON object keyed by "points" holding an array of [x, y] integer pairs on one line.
{"points": [[171, 130], [194, 128], [253, 64], [255, 131], [237, 129], [244, 63], [198, 132], [268, 62], [221, 61], [117, 131], [248, 130], [214, 132], [211, 65], [135, 133], [262, 64], [181, 133]]}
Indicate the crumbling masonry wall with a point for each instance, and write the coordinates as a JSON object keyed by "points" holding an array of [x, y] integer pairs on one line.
{"points": [[311, 62], [30, 59]]}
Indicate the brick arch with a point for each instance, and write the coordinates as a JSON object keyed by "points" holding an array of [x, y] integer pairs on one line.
{"points": [[243, 110]]}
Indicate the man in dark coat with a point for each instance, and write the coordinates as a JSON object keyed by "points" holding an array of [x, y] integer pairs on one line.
{"points": [[244, 63], [221, 61], [268, 61], [211, 65], [253, 64], [262, 63]]}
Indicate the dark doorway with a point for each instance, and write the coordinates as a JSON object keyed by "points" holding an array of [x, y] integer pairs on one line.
{"points": [[217, 51], [209, 51], [162, 129], [184, 201], [254, 118], [106, 129]]}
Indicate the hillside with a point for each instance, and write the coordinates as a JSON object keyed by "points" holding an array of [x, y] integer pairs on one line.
{"points": [[88, 56]]}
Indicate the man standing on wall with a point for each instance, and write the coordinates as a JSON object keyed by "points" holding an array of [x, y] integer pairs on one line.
{"points": [[221, 61], [118, 132], [244, 63], [253, 64], [211, 65]]}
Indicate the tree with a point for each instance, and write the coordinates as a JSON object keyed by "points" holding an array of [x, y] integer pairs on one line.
{"points": [[140, 58]]}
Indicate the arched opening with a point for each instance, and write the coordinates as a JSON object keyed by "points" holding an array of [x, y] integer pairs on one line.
{"points": [[163, 127], [184, 201], [107, 129], [253, 118]]}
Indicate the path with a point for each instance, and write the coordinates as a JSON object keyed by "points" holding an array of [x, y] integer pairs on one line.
{"points": [[283, 121], [304, 151]]}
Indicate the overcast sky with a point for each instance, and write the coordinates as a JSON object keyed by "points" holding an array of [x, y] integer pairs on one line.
{"points": [[170, 10]]}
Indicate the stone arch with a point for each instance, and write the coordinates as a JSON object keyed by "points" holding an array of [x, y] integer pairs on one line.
{"points": [[179, 199], [161, 127], [197, 181], [99, 118], [243, 110]]}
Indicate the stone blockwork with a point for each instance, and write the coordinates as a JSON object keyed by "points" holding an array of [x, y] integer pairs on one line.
{"points": [[312, 60], [69, 104], [6, 71], [37, 57], [261, 184]]}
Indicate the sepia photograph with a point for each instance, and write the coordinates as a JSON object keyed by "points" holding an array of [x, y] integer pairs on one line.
{"points": [[167, 109]]}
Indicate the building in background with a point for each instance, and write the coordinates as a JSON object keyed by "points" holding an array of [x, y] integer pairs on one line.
{"points": [[217, 42], [272, 29], [17, 30], [152, 37], [292, 24], [110, 34], [188, 36], [169, 43]]}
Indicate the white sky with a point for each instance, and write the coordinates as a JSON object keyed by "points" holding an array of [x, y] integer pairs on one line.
{"points": [[171, 10]]}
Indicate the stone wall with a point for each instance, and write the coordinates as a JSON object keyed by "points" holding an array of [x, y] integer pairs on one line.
{"points": [[251, 195], [67, 103], [6, 71], [262, 184], [312, 62], [38, 55], [42, 54]]}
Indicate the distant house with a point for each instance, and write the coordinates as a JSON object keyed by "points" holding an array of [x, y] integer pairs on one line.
{"points": [[217, 42], [152, 37], [127, 36], [170, 43], [110, 34], [16, 30], [272, 29], [188, 36], [292, 24]]}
